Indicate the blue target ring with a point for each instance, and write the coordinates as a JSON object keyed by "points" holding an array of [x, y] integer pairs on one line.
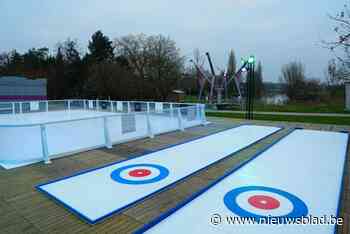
{"points": [[299, 207], [116, 174]]}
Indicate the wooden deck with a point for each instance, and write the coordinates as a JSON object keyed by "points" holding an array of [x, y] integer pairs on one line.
{"points": [[24, 210]]}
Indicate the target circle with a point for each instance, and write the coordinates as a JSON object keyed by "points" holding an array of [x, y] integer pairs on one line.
{"points": [[140, 174], [264, 202]]}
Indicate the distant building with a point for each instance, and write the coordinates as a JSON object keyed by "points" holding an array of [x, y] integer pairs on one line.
{"points": [[14, 88]]}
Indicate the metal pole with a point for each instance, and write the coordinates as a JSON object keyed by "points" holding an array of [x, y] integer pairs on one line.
{"points": [[203, 118], [213, 79], [68, 105], [253, 93], [247, 94], [44, 144], [112, 105], [149, 126], [179, 118], [171, 110], [250, 91], [108, 141]]}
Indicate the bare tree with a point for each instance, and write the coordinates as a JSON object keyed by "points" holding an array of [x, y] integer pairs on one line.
{"points": [[293, 76], [155, 59], [259, 84], [110, 79], [340, 46]]}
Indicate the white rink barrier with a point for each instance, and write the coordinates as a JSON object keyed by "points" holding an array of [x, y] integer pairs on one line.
{"points": [[41, 131]]}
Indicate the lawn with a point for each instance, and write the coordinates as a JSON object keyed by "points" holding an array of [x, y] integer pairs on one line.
{"points": [[287, 118], [333, 106]]}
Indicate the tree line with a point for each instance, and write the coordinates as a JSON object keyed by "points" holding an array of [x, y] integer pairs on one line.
{"points": [[142, 67], [130, 67]]}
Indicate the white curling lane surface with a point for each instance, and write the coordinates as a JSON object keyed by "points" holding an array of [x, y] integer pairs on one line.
{"points": [[307, 164], [99, 193]]}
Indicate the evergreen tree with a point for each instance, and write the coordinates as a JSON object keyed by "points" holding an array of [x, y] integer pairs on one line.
{"points": [[100, 47], [231, 71], [259, 85], [231, 67]]}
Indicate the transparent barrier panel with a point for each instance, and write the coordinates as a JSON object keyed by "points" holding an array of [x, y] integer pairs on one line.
{"points": [[152, 107], [166, 105], [165, 121], [191, 116], [30, 107], [125, 107], [138, 106], [5, 108], [57, 105], [77, 104], [104, 105]]}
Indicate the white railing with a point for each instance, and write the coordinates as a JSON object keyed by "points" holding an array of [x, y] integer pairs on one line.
{"points": [[21, 107], [146, 119]]}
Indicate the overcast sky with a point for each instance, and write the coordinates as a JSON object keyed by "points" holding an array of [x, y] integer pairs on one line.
{"points": [[276, 31]]}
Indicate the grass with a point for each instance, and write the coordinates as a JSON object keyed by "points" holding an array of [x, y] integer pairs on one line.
{"points": [[336, 105], [287, 118]]}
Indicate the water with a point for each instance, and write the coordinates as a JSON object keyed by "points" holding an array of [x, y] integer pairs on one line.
{"points": [[278, 99]]}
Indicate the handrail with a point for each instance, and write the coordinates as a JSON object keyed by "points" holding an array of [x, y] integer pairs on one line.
{"points": [[90, 118]]}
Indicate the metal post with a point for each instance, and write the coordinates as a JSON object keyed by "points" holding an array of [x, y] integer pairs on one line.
{"points": [[44, 144], [171, 110], [97, 105], [203, 118], [84, 104], [68, 105], [13, 107], [108, 141], [129, 108], [20, 107], [179, 118], [149, 126], [147, 107], [198, 112], [248, 92], [112, 106], [213, 79], [47, 106], [252, 92]]}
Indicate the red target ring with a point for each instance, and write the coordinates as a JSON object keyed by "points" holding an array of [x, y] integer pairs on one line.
{"points": [[264, 202], [139, 173]]}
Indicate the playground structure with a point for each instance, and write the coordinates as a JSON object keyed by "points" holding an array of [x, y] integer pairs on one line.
{"points": [[219, 85]]}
